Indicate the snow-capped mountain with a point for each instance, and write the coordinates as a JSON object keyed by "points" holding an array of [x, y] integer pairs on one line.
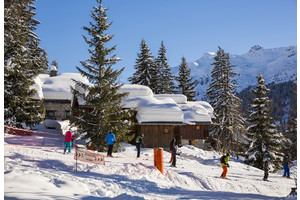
{"points": [[278, 65]]}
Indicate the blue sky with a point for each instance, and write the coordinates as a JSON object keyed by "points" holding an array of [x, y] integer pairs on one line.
{"points": [[188, 28]]}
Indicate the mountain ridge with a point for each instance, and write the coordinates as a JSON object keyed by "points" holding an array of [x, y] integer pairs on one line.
{"points": [[278, 65]]}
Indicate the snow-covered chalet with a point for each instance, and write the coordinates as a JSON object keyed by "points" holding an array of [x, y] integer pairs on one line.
{"points": [[54, 89]]}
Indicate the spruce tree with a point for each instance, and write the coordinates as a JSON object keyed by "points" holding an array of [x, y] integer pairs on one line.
{"points": [[146, 69], [105, 111], [291, 135], [228, 124], [264, 140], [23, 61], [186, 84], [166, 79]]}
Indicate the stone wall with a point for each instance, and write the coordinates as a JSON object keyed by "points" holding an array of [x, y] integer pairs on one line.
{"points": [[59, 108]]}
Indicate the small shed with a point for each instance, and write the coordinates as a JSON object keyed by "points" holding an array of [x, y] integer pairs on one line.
{"points": [[162, 117]]}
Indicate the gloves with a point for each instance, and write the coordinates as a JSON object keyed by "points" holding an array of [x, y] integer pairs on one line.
{"points": [[228, 165]]}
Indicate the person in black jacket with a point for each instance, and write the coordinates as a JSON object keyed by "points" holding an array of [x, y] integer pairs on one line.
{"points": [[138, 143], [174, 153], [266, 169], [172, 144]]}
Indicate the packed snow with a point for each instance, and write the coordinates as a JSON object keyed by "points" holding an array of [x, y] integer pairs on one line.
{"points": [[36, 168]]}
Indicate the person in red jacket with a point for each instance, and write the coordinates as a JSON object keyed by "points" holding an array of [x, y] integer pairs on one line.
{"points": [[68, 141]]}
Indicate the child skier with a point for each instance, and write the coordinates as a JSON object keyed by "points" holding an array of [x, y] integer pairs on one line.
{"points": [[224, 162], [174, 153], [68, 141], [286, 165]]}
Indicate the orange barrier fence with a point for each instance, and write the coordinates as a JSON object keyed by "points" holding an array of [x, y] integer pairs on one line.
{"points": [[32, 146], [24, 132], [18, 131], [159, 159]]}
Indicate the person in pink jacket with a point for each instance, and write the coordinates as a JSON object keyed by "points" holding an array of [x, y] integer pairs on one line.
{"points": [[68, 141]]}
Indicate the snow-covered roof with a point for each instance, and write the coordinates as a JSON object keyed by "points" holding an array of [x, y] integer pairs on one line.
{"points": [[136, 90], [178, 98], [200, 107], [56, 87], [195, 113], [151, 109], [164, 108], [158, 108]]}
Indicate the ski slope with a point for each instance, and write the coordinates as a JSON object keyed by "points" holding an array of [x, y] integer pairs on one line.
{"points": [[36, 168]]}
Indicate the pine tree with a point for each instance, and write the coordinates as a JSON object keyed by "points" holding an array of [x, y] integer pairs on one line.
{"points": [[23, 61], [146, 69], [228, 123], [166, 84], [291, 135], [102, 96], [186, 84], [264, 140]]}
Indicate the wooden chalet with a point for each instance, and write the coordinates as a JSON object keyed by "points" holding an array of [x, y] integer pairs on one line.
{"points": [[163, 117]]}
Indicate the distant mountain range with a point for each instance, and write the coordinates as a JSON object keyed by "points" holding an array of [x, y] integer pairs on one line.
{"points": [[278, 65]]}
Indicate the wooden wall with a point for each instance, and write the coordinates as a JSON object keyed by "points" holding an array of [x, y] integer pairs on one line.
{"points": [[161, 135], [192, 132], [157, 135]]}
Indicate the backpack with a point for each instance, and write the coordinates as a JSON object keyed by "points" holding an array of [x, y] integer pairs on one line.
{"points": [[222, 159]]}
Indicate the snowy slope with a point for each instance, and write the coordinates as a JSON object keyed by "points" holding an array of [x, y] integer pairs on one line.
{"points": [[277, 65], [33, 171]]}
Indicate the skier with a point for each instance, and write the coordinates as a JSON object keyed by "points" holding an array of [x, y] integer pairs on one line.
{"points": [[224, 162], [266, 169], [110, 139], [174, 153], [68, 141], [172, 144], [286, 165], [139, 142]]}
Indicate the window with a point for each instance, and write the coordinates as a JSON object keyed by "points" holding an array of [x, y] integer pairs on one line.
{"points": [[166, 131], [68, 113], [50, 113]]}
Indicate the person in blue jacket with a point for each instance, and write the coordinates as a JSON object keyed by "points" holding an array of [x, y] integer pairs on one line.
{"points": [[110, 139]]}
